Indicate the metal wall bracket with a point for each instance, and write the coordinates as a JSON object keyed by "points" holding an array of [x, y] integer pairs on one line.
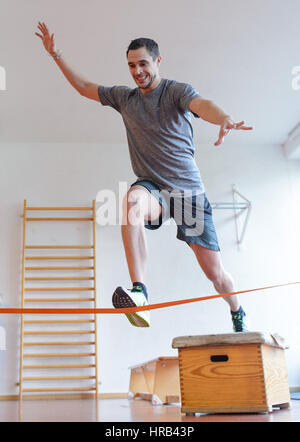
{"points": [[238, 207]]}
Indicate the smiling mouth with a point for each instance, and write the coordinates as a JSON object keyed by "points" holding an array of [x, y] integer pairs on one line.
{"points": [[141, 79]]}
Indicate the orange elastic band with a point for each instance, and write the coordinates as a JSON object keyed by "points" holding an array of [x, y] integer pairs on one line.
{"points": [[82, 311]]}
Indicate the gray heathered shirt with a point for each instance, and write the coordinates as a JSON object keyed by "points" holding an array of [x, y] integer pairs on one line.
{"points": [[159, 132]]}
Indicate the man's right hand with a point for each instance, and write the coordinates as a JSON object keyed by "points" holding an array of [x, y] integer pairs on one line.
{"points": [[47, 39], [84, 87]]}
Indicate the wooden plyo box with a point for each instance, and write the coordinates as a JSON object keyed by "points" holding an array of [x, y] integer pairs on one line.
{"points": [[156, 380], [232, 373]]}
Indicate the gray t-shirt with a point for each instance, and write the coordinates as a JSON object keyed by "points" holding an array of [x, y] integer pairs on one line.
{"points": [[159, 132]]}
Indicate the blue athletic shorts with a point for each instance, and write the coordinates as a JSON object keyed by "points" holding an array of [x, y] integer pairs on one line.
{"points": [[192, 213]]}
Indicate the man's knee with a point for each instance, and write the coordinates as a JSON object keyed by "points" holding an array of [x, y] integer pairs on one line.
{"points": [[139, 204], [215, 274], [134, 206]]}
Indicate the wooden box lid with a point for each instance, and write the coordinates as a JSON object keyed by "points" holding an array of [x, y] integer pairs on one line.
{"points": [[230, 339]]}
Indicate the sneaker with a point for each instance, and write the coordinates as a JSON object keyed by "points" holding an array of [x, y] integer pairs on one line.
{"points": [[238, 321], [135, 297]]}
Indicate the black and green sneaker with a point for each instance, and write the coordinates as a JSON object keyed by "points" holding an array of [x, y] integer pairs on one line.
{"points": [[238, 321], [135, 297]]}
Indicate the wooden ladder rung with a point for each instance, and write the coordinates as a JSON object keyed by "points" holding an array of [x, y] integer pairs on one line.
{"points": [[60, 332], [60, 321], [35, 390], [58, 289], [59, 268], [60, 366], [59, 247], [30, 344], [58, 355], [59, 208], [59, 219], [59, 300], [70, 278], [57, 257], [56, 378]]}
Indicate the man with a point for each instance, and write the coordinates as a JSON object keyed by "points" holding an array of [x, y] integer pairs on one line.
{"points": [[156, 115]]}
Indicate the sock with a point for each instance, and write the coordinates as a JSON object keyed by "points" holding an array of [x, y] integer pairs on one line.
{"points": [[137, 286], [239, 311]]}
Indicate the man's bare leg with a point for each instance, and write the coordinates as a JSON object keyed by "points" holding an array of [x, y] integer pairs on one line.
{"points": [[138, 205], [212, 266]]}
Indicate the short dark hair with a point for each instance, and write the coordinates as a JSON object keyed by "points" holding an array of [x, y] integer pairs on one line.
{"points": [[148, 43]]}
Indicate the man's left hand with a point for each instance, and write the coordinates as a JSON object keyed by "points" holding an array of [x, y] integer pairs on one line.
{"points": [[228, 125]]}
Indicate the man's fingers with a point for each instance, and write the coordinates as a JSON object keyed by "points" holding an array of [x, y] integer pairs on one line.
{"points": [[220, 141], [221, 137], [47, 30], [40, 25], [223, 132], [244, 128], [43, 28], [240, 126], [39, 35], [227, 127]]}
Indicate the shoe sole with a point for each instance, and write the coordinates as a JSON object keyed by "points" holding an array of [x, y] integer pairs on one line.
{"points": [[120, 299]]}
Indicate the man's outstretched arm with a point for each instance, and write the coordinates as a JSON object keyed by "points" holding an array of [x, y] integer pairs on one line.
{"points": [[209, 111], [84, 87]]}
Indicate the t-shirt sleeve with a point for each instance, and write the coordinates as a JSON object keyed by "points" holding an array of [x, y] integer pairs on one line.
{"points": [[114, 96], [183, 94]]}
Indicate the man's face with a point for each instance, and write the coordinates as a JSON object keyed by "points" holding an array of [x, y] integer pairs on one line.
{"points": [[144, 70]]}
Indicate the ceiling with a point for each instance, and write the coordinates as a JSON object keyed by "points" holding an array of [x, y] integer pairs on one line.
{"points": [[238, 53]]}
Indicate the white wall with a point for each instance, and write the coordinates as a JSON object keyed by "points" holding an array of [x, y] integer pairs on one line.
{"points": [[73, 173]]}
